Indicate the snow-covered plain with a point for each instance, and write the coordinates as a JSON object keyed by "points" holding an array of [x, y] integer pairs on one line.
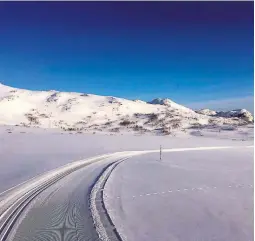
{"points": [[26, 152], [198, 195]]}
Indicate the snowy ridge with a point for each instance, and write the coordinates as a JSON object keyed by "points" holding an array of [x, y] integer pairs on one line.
{"points": [[93, 207], [97, 206], [87, 112]]}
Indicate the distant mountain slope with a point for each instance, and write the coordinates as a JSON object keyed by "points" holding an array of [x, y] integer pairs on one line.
{"points": [[239, 113], [85, 112]]}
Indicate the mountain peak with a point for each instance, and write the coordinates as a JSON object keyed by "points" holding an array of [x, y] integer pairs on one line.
{"points": [[159, 101]]}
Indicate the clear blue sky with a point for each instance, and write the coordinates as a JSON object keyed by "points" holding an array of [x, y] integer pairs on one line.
{"points": [[186, 51]]}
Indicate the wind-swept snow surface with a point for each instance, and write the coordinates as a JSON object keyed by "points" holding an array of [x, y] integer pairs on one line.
{"points": [[198, 195]]}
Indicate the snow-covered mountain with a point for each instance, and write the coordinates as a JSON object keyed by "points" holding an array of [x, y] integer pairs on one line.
{"points": [[86, 112], [207, 112], [239, 113]]}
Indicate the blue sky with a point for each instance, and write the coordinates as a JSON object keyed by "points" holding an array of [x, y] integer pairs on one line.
{"points": [[191, 52]]}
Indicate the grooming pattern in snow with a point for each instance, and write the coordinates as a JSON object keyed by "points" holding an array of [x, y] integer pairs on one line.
{"points": [[61, 212]]}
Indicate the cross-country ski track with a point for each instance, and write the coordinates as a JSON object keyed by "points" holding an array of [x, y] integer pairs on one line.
{"points": [[67, 203]]}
